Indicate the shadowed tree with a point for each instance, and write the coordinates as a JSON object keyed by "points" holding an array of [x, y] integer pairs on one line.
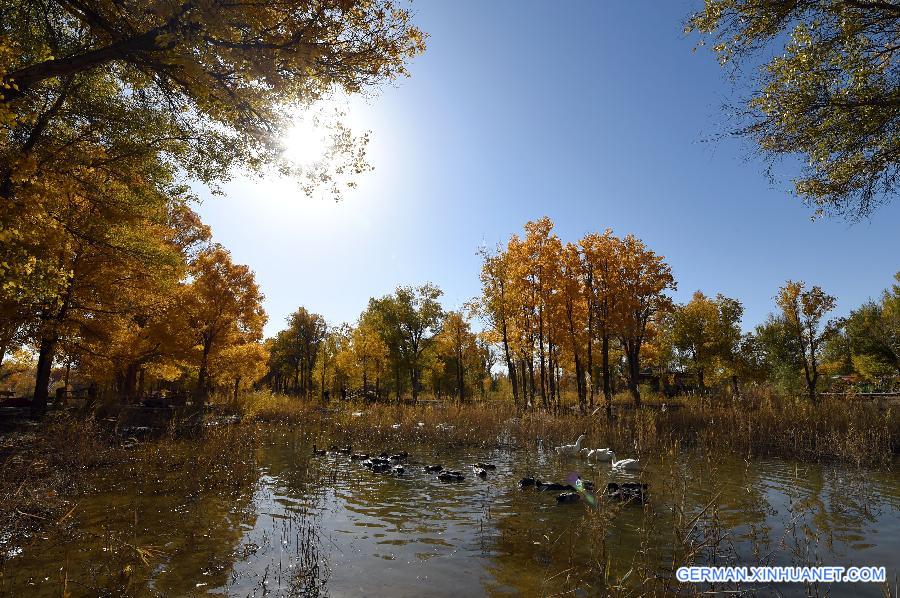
{"points": [[103, 103], [831, 94]]}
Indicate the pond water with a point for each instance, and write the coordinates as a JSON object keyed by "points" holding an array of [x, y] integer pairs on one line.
{"points": [[328, 526]]}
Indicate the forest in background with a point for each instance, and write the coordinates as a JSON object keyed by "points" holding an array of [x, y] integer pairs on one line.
{"points": [[557, 323], [111, 286]]}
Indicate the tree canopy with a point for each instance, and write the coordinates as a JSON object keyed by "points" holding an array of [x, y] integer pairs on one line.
{"points": [[830, 95]]}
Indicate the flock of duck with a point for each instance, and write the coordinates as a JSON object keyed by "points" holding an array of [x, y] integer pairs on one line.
{"points": [[396, 464]]}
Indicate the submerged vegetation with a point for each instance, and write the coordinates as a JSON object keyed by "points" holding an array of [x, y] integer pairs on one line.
{"points": [[49, 467]]}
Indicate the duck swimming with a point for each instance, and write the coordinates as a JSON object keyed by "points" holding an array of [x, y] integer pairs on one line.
{"points": [[380, 467], [318, 452], [545, 486], [627, 492], [481, 473], [584, 484], [376, 462], [397, 470], [567, 497], [434, 468], [530, 481], [451, 476]]}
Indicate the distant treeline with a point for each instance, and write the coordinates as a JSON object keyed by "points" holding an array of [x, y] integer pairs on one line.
{"points": [[555, 322], [586, 320]]}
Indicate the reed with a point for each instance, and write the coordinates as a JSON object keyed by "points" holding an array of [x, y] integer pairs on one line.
{"points": [[762, 426]]}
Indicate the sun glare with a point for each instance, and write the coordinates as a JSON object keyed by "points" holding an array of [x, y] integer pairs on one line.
{"points": [[307, 141]]}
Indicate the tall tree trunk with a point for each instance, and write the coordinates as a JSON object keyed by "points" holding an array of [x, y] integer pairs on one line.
{"points": [[397, 381], [524, 370], [66, 378], [590, 336], [237, 386], [531, 386], [579, 385], [46, 353], [324, 366], [811, 381], [510, 366], [557, 371], [550, 369], [542, 357], [129, 384], [140, 387], [47, 349], [460, 380], [202, 393], [414, 381], [604, 364], [588, 370], [632, 353], [813, 347]]}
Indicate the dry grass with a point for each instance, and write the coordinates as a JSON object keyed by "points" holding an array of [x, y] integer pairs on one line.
{"points": [[766, 426], [46, 467]]}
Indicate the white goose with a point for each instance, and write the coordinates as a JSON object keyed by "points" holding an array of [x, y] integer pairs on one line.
{"points": [[570, 450], [626, 464], [600, 454]]}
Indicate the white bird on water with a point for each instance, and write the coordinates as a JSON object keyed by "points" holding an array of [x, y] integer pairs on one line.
{"points": [[569, 450], [600, 454], [626, 465]]}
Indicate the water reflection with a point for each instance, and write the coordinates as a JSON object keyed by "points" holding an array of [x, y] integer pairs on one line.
{"points": [[328, 526]]}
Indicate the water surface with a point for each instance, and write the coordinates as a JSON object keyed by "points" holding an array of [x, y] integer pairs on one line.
{"points": [[328, 526]]}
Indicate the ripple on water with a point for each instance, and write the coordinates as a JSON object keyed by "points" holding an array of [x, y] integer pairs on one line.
{"points": [[329, 521]]}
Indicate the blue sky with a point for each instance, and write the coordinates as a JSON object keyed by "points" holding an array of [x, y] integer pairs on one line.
{"points": [[598, 116]]}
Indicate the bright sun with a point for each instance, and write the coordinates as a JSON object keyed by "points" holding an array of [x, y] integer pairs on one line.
{"points": [[306, 142]]}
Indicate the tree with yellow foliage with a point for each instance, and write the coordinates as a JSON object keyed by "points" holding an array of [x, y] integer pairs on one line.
{"points": [[369, 354], [707, 332], [497, 308], [644, 277], [803, 311], [239, 366], [459, 346], [601, 255], [223, 307], [120, 248], [572, 312], [224, 75]]}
